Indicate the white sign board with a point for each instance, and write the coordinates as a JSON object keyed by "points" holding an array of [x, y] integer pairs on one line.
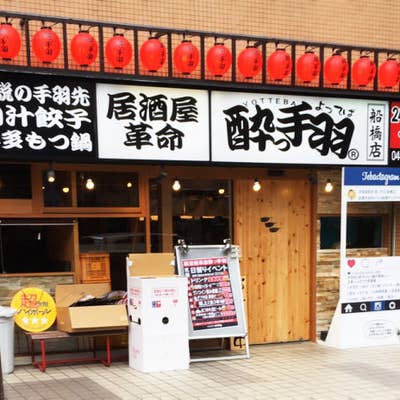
{"points": [[152, 123], [368, 311], [270, 128]]}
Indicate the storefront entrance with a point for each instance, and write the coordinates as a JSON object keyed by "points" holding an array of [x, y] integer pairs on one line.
{"points": [[273, 227]]}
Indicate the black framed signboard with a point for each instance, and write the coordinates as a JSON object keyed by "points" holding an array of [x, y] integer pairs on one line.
{"points": [[214, 290]]}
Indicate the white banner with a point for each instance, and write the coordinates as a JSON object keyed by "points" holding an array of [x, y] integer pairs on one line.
{"points": [[152, 123], [285, 129]]}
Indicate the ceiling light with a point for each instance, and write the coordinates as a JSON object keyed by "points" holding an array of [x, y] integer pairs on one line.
{"points": [[51, 175], [89, 184], [256, 185], [176, 185], [328, 186], [221, 190], [65, 189]]}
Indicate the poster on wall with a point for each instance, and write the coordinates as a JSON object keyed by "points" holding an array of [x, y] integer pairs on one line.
{"points": [[286, 129], [152, 123], [368, 311], [46, 118]]}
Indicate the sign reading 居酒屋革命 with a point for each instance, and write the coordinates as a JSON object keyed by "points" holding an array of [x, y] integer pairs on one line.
{"points": [[152, 123], [285, 129], [46, 118]]}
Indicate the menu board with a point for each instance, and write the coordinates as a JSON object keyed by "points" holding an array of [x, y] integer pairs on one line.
{"points": [[214, 292], [210, 293]]}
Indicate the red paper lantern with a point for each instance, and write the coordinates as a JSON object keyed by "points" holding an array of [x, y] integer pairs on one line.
{"points": [[118, 51], [250, 62], [336, 69], [389, 73], [279, 64], [219, 59], [84, 48], [308, 67], [186, 57], [10, 41], [363, 71], [152, 54], [46, 45]]}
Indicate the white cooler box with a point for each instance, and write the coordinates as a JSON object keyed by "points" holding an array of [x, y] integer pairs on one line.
{"points": [[158, 331]]}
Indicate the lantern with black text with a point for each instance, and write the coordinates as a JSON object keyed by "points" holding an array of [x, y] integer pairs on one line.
{"points": [[250, 62], [84, 48], [46, 45], [308, 67], [186, 57], [363, 71], [118, 51], [279, 64], [389, 73], [152, 54], [219, 59], [336, 69], [10, 41]]}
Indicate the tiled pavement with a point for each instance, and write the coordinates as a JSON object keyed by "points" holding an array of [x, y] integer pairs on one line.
{"points": [[274, 372]]}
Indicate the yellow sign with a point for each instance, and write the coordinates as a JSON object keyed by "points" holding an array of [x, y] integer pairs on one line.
{"points": [[36, 310]]}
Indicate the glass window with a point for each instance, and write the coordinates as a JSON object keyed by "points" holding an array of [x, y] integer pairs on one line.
{"points": [[15, 182], [362, 232], [107, 189], [202, 211], [112, 235], [57, 190], [29, 246]]}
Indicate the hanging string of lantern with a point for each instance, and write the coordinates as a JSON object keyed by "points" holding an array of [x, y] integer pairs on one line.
{"points": [[221, 57]]}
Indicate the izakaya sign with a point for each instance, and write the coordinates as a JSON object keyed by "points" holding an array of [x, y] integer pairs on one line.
{"points": [[152, 123], [263, 128], [43, 117]]}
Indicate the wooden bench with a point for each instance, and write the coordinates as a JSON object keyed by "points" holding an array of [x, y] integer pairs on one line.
{"points": [[43, 337]]}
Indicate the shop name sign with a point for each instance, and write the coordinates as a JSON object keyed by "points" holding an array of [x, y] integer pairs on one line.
{"points": [[152, 123], [262, 128], [46, 118]]}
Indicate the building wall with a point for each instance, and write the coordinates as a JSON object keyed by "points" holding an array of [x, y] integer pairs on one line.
{"points": [[369, 23]]}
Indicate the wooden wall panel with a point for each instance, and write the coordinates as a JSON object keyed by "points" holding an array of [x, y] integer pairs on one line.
{"points": [[277, 265]]}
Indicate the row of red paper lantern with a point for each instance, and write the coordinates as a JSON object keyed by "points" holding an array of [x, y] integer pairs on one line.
{"points": [[118, 50]]}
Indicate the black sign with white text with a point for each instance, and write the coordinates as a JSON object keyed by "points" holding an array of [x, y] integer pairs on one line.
{"points": [[46, 118]]}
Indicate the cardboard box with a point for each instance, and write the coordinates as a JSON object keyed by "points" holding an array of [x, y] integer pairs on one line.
{"points": [[87, 318], [145, 264]]}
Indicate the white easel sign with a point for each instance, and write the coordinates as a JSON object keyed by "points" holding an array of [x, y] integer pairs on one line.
{"points": [[368, 311]]}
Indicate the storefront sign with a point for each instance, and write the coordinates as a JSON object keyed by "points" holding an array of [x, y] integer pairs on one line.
{"points": [[394, 141], [152, 123], [263, 128], [46, 118], [36, 310]]}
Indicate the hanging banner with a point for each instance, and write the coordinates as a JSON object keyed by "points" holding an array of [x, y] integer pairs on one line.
{"points": [[46, 118], [285, 129], [152, 123]]}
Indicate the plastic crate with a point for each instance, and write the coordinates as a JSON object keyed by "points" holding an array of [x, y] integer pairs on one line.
{"points": [[95, 267]]}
